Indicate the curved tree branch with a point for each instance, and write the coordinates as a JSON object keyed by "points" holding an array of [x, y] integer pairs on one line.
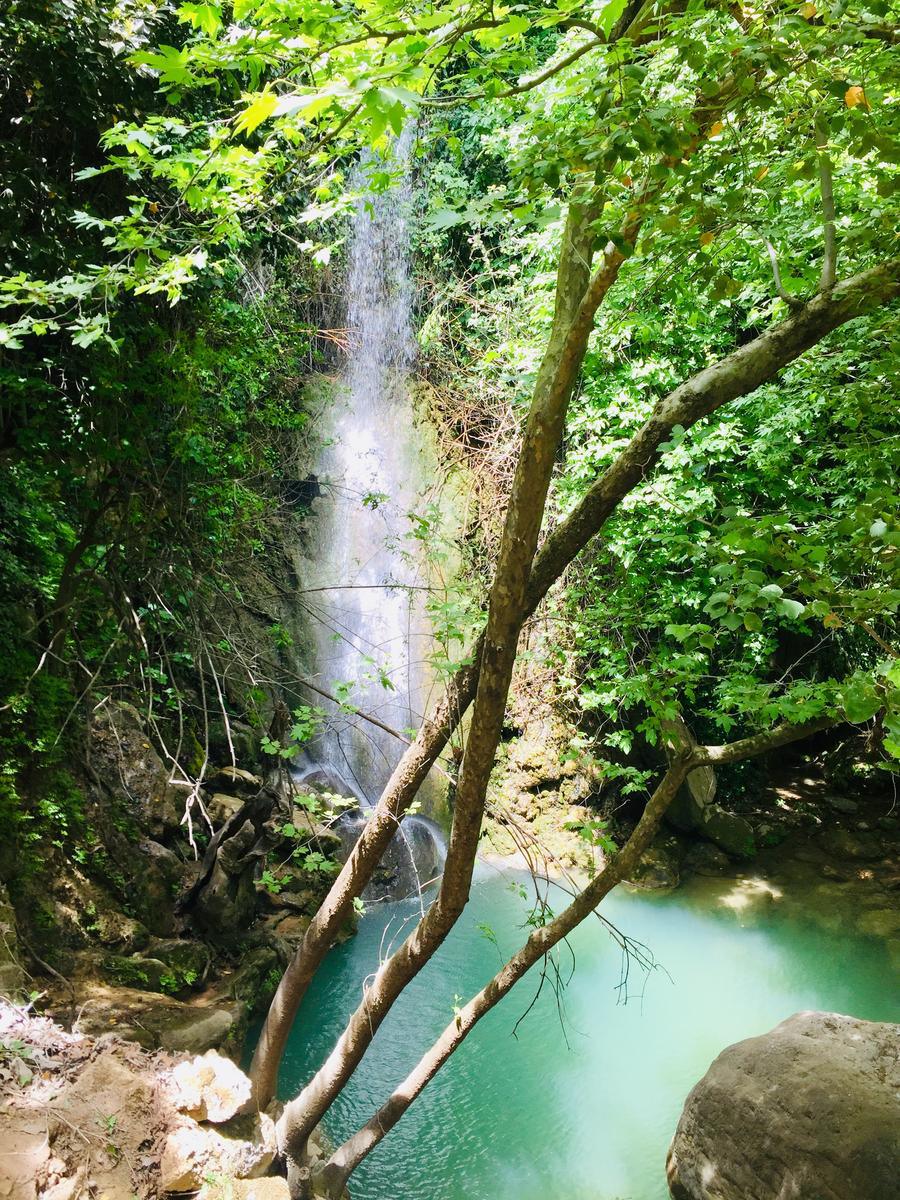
{"points": [[347, 1157]]}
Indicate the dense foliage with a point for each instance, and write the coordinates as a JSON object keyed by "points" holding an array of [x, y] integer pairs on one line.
{"points": [[754, 578], [139, 469]]}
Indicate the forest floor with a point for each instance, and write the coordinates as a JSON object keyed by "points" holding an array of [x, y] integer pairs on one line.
{"points": [[102, 1117]]}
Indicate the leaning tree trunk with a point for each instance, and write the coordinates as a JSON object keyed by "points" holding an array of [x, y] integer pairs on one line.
{"points": [[331, 1179], [507, 611], [737, 375]]}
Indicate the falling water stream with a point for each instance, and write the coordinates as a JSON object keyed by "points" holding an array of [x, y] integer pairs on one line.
{"points": [[580, 1104], [372, 638]]}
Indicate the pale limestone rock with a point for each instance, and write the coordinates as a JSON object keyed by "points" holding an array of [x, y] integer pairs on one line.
{"points": [[209, 1088], [245, 1150]]}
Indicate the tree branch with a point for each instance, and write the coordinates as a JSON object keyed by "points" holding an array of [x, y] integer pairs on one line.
{"points": [[347, 1157], [829, 260]]}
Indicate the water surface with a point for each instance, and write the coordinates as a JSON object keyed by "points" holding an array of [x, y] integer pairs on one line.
{"points": [[581, 1105]]}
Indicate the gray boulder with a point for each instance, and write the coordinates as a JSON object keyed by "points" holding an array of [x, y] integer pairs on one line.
{"points": [[808, 1111]]}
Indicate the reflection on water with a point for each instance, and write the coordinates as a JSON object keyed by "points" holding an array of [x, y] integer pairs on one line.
{"points": [[582, 1104]]}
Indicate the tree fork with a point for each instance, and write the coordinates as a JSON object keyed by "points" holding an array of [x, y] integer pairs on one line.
{"points": [[737, 375], [576, 302], [434, 734], [331, 1179]]}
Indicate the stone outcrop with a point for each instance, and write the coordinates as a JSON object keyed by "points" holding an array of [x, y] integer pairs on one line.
{"points": [[192, 1153], [209, 1088], [695, 811], [156, 1021], [808, 1111]]}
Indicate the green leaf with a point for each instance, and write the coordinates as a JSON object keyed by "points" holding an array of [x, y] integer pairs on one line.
{"points": [[610, 14], [861, 702], [260, 110], [791, 608], [207, 17]]}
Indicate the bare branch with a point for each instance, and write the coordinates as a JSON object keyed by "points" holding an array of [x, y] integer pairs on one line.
{"points": [[789, 300]]}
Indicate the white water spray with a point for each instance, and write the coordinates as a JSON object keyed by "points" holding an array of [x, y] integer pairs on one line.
{"points": [[372, 637]]}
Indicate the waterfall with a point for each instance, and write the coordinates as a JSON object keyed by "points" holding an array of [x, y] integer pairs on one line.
{"points": [[371, 633]]}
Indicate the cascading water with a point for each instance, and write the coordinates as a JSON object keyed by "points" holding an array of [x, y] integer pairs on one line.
{"points": [[371, 634]]}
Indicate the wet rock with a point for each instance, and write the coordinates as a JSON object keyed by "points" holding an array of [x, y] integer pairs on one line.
{"points": [[879, 922], [842, 843], [772, 835], [658, 868], [730, 832], [209, 1088], [843, 804], [838, 871], [245, 1149], [703, 858], [808, 1111]]}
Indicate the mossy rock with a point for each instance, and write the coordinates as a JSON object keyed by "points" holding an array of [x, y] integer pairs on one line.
{"points": [[188, 961], [730, 832], [658, 868], [255, 981], [845, 843], [147, 974]]}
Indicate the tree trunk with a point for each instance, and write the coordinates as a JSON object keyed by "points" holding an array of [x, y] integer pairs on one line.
{"points": [[576, 303], [737, 375], [685, 758]]}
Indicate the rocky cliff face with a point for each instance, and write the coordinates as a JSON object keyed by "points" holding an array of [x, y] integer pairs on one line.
{"points": [[150, 908], [808, 1111]]}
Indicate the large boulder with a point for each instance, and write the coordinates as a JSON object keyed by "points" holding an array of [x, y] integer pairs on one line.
{"points": [[131, 770], [243, 1149], [808, 1111]]}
